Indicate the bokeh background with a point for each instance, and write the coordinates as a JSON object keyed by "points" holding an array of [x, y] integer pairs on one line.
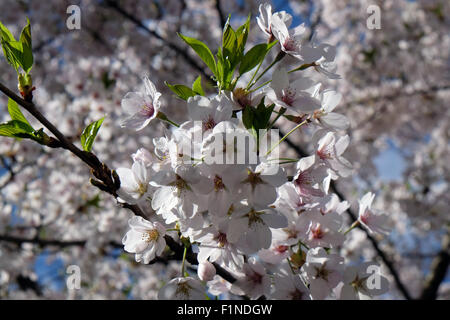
{"points": [[396, 87]]}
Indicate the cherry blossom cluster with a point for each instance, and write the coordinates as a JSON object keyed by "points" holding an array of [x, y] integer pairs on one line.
{"points": [[278, 235]]}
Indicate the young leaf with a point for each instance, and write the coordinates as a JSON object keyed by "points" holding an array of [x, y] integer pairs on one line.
{"points": [[27, 54], [27, 59], [89, 134], [13, 53], [202, 50], [16, 114], [17, 129], [229, 43], [197, 86], [5, 33], [25, 35], [241, 36], [181, 91]]}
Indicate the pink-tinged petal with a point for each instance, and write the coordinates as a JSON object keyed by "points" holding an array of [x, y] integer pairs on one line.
{"points": [[366, 200], [204, 253], [150, 89], [305, 103], [163, 198], [298, 31], [342, 144], [302, 84], [199, 107], [335, 120], [274, 219], [258, 236], [330, 99], [133, 102], [140, 172], [280, 80], [136, 122], [140, 224], [319, 289], [305, 163]]}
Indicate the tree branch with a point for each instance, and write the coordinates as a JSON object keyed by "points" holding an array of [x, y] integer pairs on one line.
{"points": [[220, 13], [109, 182], [115, 6], [438, 271]]}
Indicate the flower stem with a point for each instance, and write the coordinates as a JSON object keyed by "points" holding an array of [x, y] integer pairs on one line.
{"points": [[277, 59], [183, 263], [302, 67], [353, 226], [286, 135], [163, 117]]}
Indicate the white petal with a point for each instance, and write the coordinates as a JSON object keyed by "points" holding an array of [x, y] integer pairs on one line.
{"points": [[280, 80], [133, 102]]}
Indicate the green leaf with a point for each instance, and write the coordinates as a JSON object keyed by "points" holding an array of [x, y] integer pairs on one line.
{"points": [[13, 52], [181, 90], [247, 117], [197, 86], [241, 36], [25, 35], [202, 50], [18, 53], [27, 59], [229, 43], [89, 134], [27, 54], [17, 129], [16, 114], [5, 33], [254, 56], [257, 118], [263, 114], [224, 70]]}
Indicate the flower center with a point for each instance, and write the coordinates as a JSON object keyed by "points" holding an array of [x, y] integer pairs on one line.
{"points": [[242, 97], [290, 44], [317, 232], [325, 153], [218, 183], [222, 239], [150, 236], [142, 188], [254, 217], [147, 110], [256, 278], [253, 178], [209, 123], [281, 249], [288, 96], [322, 273], [183, 289]]}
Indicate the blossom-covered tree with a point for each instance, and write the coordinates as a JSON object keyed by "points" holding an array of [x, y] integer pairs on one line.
{"points": [[158, 218]]}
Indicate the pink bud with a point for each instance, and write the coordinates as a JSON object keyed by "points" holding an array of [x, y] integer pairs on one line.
{"points": [[206, 271]]}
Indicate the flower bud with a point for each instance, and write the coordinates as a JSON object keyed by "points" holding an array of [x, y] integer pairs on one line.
{"points": [[25, 86], [206, 271]]}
